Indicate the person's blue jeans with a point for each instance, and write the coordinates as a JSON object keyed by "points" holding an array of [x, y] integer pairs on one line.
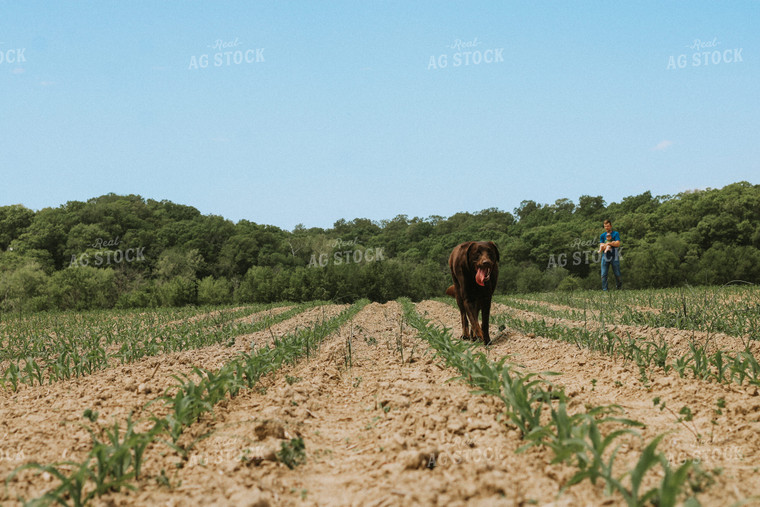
{"points": [[615, 269]]}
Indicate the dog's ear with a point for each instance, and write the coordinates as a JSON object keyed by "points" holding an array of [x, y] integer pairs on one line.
{"points": [[495, 249], [471, 247]]}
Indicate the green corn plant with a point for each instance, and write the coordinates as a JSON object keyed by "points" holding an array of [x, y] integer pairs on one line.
{"points": [[668, 491], [117, 461], [576, 438], [747, 364], [221, 383], [77, 362], [589, 449], [71, 490], [480, 373], [185, 405], [660, 355], [682, 363], [524, 399], [721, 366], [348, 357], [673, 482], [560, 435], [700, 366], [61, 369], [33, 372], [12, 375], [292, 453], [251, 367], [738, 367], [109, 466]]}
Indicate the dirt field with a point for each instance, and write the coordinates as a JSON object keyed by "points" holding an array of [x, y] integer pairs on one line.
{"points": [[381, 423]]}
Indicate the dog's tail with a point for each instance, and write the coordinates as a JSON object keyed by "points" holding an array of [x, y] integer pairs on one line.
{"points": [[451, 291]]}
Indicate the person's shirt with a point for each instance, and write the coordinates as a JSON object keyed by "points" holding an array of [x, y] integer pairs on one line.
{"points": [[612, 254]]}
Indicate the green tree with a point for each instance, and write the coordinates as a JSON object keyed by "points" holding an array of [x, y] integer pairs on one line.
{"points": [[178, 291], [48, 231], [530, 279], [214, 292], [256, 286], [177, 262], [591, 207], [14, 220], [82, 288], [23, 286]]}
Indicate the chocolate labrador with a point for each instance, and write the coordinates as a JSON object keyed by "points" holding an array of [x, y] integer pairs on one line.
{"points": [[475, 270]]}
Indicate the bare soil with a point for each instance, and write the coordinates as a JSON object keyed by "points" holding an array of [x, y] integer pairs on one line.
{"points": [[382, 421]]}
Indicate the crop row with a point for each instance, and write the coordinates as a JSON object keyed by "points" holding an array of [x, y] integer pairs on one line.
{"points": [[45, 334], [656, 299], [576, 439], [74, 359], [16, 330], [720, 366], [735, 312], [117, 455]]}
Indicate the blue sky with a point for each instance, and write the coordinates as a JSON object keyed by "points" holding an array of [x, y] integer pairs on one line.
{"points": [[346, 110]]}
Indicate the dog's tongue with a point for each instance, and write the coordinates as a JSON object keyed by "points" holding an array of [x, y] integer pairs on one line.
{"points": [[481, 276]]}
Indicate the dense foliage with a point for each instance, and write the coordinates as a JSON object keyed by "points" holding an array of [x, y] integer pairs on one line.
{"points": [[126, 251]]}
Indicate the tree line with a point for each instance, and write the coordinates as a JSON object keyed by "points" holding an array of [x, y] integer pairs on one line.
{"points": [[125, 251]]}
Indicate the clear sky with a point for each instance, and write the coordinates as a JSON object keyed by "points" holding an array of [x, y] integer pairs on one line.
{"points": [[309, 112]]}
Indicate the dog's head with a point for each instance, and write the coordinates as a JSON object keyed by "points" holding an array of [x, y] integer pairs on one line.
{"points": [[483, 258]]}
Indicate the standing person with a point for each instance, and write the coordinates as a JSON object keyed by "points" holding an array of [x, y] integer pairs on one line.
{"points": [[609, 247]]}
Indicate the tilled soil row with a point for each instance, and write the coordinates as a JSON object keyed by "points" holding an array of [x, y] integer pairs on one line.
{"points": [[43, 424], [248, 318], [677, 339], [271, 312], [114, 348], [731, 442], [590, 311], [206, 315], [381, 425]]}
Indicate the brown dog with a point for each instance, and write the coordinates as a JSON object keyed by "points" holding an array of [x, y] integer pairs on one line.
{"points": [[475, 270]]}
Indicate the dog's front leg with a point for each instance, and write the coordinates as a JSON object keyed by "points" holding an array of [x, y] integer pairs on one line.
{"points": [[486, 315]]}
